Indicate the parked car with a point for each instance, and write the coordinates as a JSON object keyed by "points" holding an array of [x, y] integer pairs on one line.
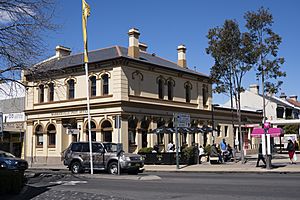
{"points": [[10, 162], [105, 157]]}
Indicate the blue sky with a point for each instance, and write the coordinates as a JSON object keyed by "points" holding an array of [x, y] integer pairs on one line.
{"points": [[164, 24]]}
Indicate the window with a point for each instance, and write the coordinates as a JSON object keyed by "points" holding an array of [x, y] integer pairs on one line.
{"points": [[51, 132], [93, 86], [71, 89], [39, 136], [218, 131], [105, 85], [170, 90], [205, 95], [41, 93], [51, 91], [160, 89], [188, 88], [280, 111], [76, 147], [226, 131], [93, 131]]}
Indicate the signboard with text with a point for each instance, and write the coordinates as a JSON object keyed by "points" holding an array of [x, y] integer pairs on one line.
{"points": [[182, 119]]}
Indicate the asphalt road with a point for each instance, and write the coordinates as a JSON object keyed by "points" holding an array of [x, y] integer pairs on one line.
{"points": [[156, 186]]}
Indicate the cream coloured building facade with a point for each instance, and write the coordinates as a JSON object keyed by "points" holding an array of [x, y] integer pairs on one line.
{"points": [[143, 89]]}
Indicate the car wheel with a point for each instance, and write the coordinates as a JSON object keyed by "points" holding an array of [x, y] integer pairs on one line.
{"points": [[113, 168], [76, 167]]}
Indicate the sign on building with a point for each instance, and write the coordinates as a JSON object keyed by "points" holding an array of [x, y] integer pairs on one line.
{"points": [[182, 119]]}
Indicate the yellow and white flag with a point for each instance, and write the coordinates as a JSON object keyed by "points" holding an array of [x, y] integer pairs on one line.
{"points": [[85, 15]]}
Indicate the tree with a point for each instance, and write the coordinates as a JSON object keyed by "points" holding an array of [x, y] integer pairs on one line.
{"points": [[266, 46], [22, 24], [234, 56], [291, 129]]}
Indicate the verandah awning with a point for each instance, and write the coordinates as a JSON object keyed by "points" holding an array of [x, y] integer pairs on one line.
{"points": [[274, 132]]}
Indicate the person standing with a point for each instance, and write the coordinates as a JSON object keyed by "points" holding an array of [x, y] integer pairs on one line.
{"points": [[291, 149], [260, 156], [223, 147], [170, 147], [201, 153]]}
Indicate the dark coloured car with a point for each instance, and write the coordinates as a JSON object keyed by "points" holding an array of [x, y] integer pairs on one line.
{"points": [[105, 157], [10, 162]]}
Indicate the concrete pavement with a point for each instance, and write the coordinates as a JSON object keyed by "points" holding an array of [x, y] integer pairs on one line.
{"points": [[280, 164]]}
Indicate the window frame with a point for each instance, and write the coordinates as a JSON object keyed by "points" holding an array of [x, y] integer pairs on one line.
{"points": [[51, 136], [93, 86], [105, 84], [41, 93], [51, 92], [160, 89], [71, 89]]}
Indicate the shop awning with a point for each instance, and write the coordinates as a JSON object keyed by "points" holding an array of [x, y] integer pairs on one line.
{"points": [[274, 132]]}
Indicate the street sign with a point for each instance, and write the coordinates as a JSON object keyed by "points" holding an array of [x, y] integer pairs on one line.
{"points": [[74, 131], [182, 119]]}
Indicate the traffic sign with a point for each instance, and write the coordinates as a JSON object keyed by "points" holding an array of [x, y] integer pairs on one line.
{"points": [[182, 119]]}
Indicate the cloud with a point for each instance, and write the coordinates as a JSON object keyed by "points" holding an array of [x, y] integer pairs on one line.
{"points": [[7, 17]]}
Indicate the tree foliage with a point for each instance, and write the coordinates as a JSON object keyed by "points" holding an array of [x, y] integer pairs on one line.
{"points": [[266, 42], [23, 24], [291, 129]]}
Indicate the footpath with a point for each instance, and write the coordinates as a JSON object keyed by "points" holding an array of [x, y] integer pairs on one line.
{"points": [[280, 164]]}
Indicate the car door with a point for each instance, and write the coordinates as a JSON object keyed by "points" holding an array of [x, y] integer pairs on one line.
{"points": [[85, 155], [98, 155]]}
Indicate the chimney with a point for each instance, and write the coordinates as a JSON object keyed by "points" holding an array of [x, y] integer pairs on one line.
{"points": [[143, 47], [294, 97], [62, 51], [181, 56], [133, 49], [254, 88], [282, 96]]}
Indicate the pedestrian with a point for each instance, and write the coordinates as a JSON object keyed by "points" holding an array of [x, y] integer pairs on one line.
{"points": [[260, 156], [223, 147], [291, 149], [170, 147], [201, 153]]}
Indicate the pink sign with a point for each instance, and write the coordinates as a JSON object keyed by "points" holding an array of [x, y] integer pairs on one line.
{"points": [[274, 132]]}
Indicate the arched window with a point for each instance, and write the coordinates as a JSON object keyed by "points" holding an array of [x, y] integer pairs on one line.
{"points": [[105, 84], [93, 131], [188, 88], [41, 93], [93, 86], [51, 133], [205, 94], [170, 89], [160, 89], [51, 91], [106, 131], [71, 89], [144, 127], [39, 136]]}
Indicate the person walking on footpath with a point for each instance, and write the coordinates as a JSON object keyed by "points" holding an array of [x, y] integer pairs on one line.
{"points": [[260, 156], [291, 149]]}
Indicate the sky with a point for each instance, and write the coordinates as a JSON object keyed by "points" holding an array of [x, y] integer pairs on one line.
{"points": [[165, 24]]}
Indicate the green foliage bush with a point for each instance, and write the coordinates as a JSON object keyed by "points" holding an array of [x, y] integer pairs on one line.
{"points": [[190, 154], [145, 150], [207, 149]]}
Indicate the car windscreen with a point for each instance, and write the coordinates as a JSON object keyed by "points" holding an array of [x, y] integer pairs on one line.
{"points": [[111, 147], [6, 155]]}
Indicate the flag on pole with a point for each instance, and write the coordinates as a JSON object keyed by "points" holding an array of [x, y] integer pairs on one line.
{"points": [[85, 15]]}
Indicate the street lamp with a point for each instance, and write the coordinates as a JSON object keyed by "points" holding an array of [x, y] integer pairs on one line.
{"points": [[213, 119]]}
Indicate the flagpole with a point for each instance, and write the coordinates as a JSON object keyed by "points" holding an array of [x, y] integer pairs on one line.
{"points": [[85, 14], [89, 115]]}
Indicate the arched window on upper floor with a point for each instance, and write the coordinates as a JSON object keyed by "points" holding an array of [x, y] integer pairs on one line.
{"points": [[71, 89], [160, 88], [205, 94], [93, 88], [170, 84], [41, 93], [105, 84], [188, 90], [51, 91]]}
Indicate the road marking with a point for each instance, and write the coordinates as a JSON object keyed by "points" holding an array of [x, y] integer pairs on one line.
{"points": [[68, 182]]}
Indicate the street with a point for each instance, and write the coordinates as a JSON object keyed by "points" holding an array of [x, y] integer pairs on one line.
{"points": [[63, 185]]}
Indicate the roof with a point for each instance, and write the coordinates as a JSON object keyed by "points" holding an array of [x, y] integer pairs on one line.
{"points": [[295, 103], [56, 63], [278, 101]]}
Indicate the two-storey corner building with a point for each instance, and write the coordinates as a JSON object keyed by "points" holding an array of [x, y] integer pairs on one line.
{"points": [[142, 88]]}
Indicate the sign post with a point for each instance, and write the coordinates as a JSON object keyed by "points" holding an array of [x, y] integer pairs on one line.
{"points": [[180, 120], [1, 125]]}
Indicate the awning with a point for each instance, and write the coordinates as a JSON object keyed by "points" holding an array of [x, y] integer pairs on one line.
{"points": [[274, 132]]}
